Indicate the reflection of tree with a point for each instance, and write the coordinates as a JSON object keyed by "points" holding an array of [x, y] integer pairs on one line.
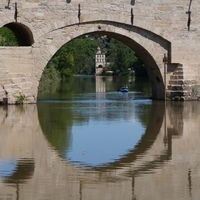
{"points": [[56, 124], [142, 113], [155, 122], [56, 119], [142, 85], [84, 84], [66, 90]]}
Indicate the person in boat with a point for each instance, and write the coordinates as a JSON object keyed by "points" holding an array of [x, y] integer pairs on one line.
{"points": [[124, 88]]}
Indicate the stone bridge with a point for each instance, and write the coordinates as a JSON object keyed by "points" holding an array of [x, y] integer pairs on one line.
{"points": [[164, 34]]}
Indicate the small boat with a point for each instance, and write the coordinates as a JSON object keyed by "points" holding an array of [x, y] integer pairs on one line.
{"points": [[124, 89]]}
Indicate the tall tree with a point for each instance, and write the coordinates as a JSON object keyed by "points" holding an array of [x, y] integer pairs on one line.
{"points": [[121, 57]]}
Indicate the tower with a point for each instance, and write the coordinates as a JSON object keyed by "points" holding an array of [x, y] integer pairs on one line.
{"points": [[100, 61]]}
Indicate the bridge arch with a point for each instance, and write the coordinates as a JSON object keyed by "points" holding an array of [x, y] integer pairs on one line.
{"points": [[22, 32], [133, 159], [147, 45]]}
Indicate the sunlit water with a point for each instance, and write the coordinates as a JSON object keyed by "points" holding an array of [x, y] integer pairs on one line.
{"points": [[86, 140], [110, 129], [105, 126]]}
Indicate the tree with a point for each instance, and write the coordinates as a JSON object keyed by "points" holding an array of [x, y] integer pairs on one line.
{"points": [[66, 66], [7, 37], [121, 57], [83, 50], [78, 56]]}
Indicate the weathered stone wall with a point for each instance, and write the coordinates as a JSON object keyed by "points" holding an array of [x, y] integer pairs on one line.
{"points": [[155, 28], [16, 69]]}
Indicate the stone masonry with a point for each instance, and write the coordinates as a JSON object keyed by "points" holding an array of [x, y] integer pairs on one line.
{"points": [[151, 28]]}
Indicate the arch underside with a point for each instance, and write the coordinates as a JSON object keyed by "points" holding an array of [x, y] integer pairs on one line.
{"points": [[149, 47], [22, 32], [150, 64]]}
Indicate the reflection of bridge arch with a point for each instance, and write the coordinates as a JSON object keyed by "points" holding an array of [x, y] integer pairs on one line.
{"points": [[23, 172], [135, 155], [145, 144], [22, 138]]}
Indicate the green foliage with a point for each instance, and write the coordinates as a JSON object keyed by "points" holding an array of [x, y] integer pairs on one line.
{"points": [[121, 57], [78, 57], [65, 64], [49, 76], [21, 98], [56, 125], [7, 37], [83, 50], [75, 57]]}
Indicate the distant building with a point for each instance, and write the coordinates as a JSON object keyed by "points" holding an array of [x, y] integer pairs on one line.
{"points": [[100, 61]]}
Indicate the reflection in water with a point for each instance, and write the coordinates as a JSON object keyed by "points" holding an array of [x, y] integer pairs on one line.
{"points": [[100, 128], [96, 132], [7, 167], [100, 84], [163, 164], [23, 170], [93, 129]]}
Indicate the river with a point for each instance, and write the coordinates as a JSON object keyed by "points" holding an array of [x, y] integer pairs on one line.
{"points": [[86, 140]]}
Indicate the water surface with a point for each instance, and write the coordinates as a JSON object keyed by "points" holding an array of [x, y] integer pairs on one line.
{"points": [[85, 140], [102, 124]]}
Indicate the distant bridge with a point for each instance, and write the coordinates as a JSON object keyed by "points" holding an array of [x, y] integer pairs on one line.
{"points": [[164, 34]]}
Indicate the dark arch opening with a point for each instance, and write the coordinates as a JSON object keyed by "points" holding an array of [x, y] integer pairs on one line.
{"points": [[150, 64], [23, 33]]}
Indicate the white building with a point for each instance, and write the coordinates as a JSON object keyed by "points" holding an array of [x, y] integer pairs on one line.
{"points": [[100, 61]]}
